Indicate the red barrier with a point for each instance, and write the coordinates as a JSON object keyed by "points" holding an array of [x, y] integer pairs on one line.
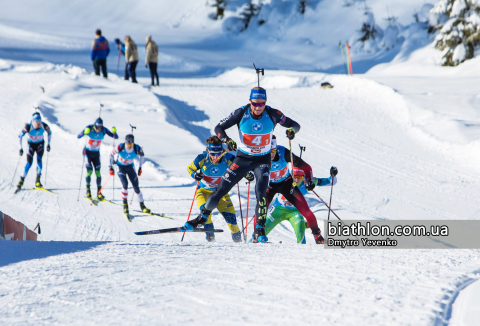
{"points": [[13, 230]]}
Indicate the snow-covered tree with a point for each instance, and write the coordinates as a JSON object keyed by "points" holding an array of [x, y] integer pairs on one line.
{"points": [[250, 10], [219, 5], [459, 35], [302, 5], [368, 37]]}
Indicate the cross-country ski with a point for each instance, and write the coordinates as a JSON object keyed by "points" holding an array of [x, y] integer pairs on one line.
{"points": [[175, 230]]}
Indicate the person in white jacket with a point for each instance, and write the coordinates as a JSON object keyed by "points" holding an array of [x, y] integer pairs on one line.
{"points": [[151, 59]]}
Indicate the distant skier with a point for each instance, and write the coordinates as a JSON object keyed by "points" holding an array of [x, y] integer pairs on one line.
{"points": [[131, 57], [151, 59], [95, 134], [36, 142], [99, 53], [127, 152], [283, 210], [281, 182], [255, 122], [209, 180]]}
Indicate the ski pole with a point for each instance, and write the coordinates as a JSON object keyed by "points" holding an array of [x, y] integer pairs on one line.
{"points": [[118, 63], [241, 214], [19, 157], [294, 184], [331, 192], [349, 58], [248, 204], [328, 207], [191, 206], [100, 191], [343, 58], [113, 164], [81, 175], [46, 170]]}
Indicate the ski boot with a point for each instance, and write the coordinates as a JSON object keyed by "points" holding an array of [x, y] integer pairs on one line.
{"points": [[125, 207], [210, 236], [237, 237], [100, 196], [89, 193], [38, 184], [318, 238], [20, 184], [144, 209], [201, 219], [259, 234]]}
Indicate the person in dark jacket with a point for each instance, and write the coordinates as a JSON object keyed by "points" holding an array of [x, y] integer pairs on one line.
{"points": [[99, 53]]}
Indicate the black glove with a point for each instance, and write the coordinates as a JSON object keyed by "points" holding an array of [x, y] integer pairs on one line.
{"points": [[333, 171], [146, 66], [232, 146], [48, 148], [198, 175], [249, 176], [21, 151], [139, 171], [310, 185], [112, 171], [290, 133]]}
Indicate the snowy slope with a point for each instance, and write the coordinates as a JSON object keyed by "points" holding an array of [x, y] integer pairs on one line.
{"points": [[388, 170]]}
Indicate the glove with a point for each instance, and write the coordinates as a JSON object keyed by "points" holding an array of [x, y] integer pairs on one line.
{"points": [[48, 148], [21, 151], [146, 66], [290, 133], [250, 177], [310, 185], [231, 145], [333, 171], [198, 175], [112, 171], [86, 131], [117, 41], [114, 130], [139, 171]]}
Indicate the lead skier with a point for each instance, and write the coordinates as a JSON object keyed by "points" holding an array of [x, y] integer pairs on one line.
{"points": [[209, 179], [127, 152], [256, 122], [95, 134], [36, 144]]}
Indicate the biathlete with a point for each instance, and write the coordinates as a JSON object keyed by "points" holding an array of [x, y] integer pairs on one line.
{"points": [[95, 134], [281, 182], [283, 210], [209, 175], [127, 152], [35, 131], [256, 122]]}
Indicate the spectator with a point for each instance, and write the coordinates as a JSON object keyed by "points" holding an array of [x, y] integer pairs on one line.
{"points": [[151, 59], [99, 53], [121, 50], [131, 57]]}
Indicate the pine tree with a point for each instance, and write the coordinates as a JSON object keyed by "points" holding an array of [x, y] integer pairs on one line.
{"points": [[302, 6], [460, 34], [220, 6], [249, 12]]}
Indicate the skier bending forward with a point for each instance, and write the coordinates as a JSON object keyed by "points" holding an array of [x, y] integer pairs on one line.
{"points": [[209, 178], [283, 210], [256, 122], [36, 144], [127, 152], [281, 182]]}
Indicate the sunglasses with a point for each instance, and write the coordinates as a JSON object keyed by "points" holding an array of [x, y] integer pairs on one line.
{"points": [[129, 140], [215, 153], [273, 150], [258, 104]]}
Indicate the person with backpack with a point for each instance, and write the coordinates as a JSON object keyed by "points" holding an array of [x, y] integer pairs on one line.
{"points": [[127, 152], [95, 134], [99, 53], [151, 59]]}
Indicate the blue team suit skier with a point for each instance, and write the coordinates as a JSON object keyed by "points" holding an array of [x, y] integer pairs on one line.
{"points": [[35, 131], [95, 134]]}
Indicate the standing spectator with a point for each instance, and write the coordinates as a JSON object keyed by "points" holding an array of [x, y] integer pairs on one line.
{"points": [[131, 56], [99, 53], [151, 59]]}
